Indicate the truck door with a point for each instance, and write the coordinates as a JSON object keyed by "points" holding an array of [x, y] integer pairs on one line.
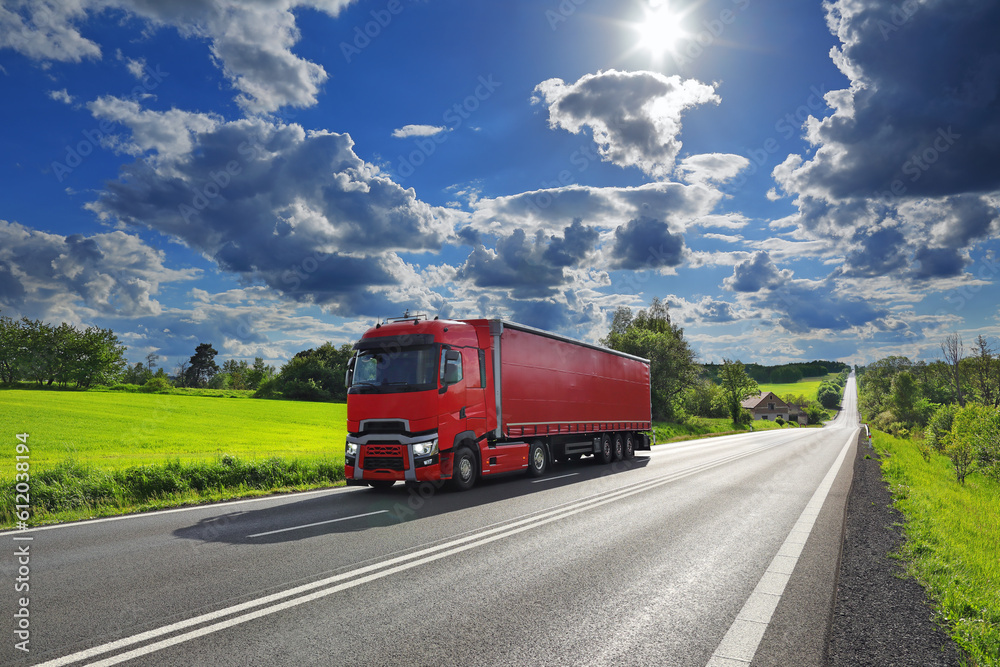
{"points": [[454, 399]]}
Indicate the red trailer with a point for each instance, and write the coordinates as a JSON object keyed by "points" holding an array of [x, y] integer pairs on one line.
{"points": [[432, 400]]}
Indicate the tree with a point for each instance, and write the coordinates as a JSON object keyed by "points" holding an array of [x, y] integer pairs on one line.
{"points": [[201, 367], [952, 350], [828, 395], [13, 348], [737, 386], [987, 372], [259, 373], [905, 394], [650, 334], [99, 357]]}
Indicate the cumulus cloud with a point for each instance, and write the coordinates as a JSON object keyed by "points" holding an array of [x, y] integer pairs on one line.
{"points": [[646, 243], [635, 117], [529, 267], [903, 171], [61, 96], [251, 42], [552, 209], [51, 276], [297, 210], [754, 274]]}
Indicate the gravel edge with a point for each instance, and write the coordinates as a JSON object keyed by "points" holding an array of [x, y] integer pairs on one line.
{"points": [[881, 616]]}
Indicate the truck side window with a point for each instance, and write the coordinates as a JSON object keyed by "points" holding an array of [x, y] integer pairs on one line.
{"points": [[482, 369], [451, 370]]}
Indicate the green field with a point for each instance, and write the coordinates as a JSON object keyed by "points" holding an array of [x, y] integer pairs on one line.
{"points": [[807, 387], [118, 430], [952, 542]]}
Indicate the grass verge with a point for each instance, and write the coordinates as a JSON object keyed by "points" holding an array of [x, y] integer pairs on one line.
{"points": [[953, 542], [71, 491], [700, 427]]}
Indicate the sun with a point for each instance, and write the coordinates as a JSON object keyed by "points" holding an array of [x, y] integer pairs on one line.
{"points": [[660, 30]]}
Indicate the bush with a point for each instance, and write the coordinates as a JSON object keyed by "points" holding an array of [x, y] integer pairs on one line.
{"points": [[975, 431], [779, 421], [156, 385], [939, 426], [828, 395]]}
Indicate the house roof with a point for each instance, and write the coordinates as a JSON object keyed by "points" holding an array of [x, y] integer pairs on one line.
{"points": [[754, 402]]}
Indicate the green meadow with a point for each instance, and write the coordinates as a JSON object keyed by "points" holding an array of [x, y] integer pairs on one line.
{"points": [[105, 453], [807, 387], [117, 430]]}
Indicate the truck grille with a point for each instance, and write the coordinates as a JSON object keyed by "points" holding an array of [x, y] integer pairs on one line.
{"points": [[383, 463], [384, 457]]}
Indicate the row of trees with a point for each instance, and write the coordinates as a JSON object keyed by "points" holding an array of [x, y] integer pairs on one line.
{"points": [[951, 405], [39, 352]]}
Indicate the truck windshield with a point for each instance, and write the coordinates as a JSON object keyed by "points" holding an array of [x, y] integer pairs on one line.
{"points": [[398, 370]]}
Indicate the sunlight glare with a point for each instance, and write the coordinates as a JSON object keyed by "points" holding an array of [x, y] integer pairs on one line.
{"points": [[660, 31]]}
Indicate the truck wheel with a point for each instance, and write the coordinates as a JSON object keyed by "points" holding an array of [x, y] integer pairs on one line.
{"points": [[537, 460], [464, 475], [381, 484], [619, 447], [629, 446], [606, 453]]}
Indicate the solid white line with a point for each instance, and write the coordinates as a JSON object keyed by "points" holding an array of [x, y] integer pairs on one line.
{"points": [[192, 508], [308, 592], [318, 523], [741, 641], [549, 479]]}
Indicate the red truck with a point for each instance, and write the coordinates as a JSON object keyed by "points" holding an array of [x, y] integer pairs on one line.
{"points": [[432, 400]]}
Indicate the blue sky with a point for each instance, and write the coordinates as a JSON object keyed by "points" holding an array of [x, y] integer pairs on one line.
{"points": [[797, 180]]}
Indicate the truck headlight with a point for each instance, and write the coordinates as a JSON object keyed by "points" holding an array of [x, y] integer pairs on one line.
{"points": [[428, 448], [351, 449]]}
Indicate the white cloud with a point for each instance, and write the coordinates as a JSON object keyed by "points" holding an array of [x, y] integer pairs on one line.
{"points": [[56, 277], [297, 210], [169, 134], [61, 96], [418, 131], [252, 42], [635, 117], [711, 168]]}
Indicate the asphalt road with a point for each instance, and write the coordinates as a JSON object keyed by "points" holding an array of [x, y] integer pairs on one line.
{"points": [[708, 552]]}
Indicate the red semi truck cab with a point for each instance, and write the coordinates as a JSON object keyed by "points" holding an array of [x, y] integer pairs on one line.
{"points": [[433, 400]]}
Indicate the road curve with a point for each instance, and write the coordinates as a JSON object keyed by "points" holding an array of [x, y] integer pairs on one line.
{"points": [[707, 552]]}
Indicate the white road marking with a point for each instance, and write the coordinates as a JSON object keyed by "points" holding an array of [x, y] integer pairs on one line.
{"points": [[549, 479], [318, 523], [740, 644], [307, 592], [192, 508]]}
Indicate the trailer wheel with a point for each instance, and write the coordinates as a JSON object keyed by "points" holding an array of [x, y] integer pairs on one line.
{"points": [[619, 447], [464, 474], [381, 484], [537, 459], [629, 446], [606, 453]]}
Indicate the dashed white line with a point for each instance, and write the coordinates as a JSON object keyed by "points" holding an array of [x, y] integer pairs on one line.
{"points": [[549, 479]]}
